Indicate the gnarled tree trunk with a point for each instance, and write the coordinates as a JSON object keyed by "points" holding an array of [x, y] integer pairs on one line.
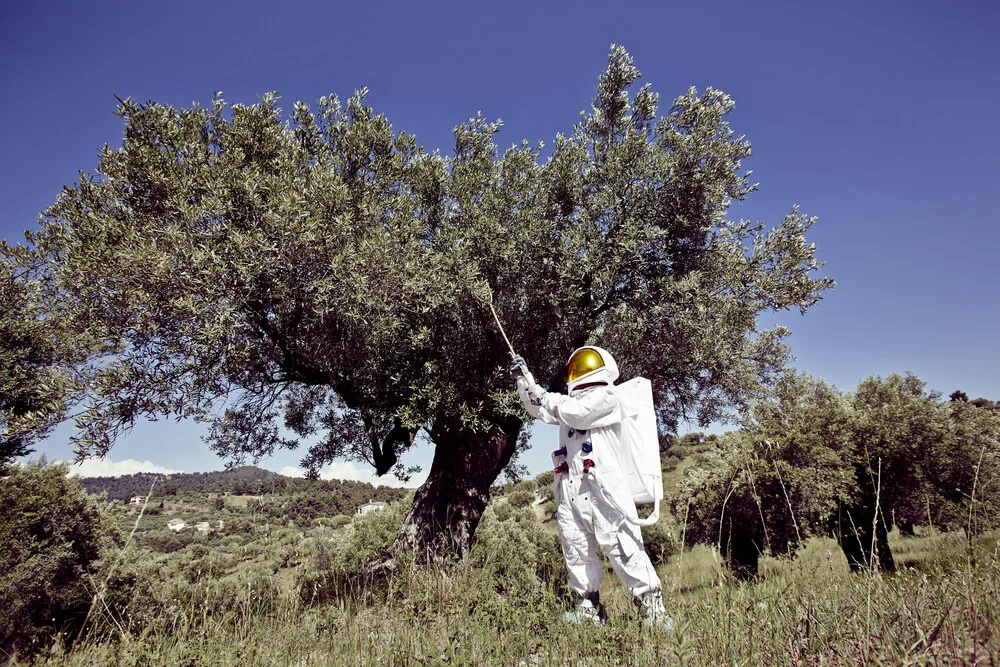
{"points": [[447, 507]]}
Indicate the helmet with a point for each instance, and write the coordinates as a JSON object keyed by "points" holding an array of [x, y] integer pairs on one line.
{"points": [[590, 364]]}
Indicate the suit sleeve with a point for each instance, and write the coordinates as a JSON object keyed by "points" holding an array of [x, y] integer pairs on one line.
{"points": [[597, 407], [536, 411]]}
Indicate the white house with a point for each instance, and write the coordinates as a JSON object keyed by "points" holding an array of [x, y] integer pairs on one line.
{"points": [[369, 506], [176, 525], [136, 500]]}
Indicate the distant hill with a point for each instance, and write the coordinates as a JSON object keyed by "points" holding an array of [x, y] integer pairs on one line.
{"points": [[246, 480], [126, 486]]}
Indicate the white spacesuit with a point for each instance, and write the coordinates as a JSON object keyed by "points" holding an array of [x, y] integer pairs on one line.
{"points": [[591, 491]]}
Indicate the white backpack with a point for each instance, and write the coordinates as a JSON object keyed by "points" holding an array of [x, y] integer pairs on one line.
{"points": [[639, 457]]}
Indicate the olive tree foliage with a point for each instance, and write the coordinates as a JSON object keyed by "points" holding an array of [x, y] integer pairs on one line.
{"points": [[327, 275], [928, 461], [41, 357], [653, 269], [282, 268], [969, 470]]}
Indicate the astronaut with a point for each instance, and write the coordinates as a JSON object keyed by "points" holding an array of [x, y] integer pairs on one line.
{"points": [[591, 491]]}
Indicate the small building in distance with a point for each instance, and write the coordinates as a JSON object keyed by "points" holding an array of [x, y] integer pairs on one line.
{"points": [[176, 525], [136, 500], [369, 506]]}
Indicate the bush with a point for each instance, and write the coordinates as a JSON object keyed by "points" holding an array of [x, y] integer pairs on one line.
{"points": [[342, 562], [131, 581], [338, 521], [520, 568], [166, 541], [502, 511], [50, 535], [521, 498], [528, 485], [660, 542], [544, 480]]}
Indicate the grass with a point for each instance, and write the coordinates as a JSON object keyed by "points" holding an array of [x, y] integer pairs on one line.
{"points": [[941, 608]]}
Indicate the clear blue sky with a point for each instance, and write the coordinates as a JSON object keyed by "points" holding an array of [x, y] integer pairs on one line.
{"points": [[878, 117]]}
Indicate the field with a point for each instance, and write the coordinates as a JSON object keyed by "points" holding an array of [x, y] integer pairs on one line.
{"points": [[293, 596]]}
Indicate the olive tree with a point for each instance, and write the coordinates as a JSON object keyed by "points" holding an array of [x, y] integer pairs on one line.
{"points": [[918, 460], [330, 280], [766, 488]]}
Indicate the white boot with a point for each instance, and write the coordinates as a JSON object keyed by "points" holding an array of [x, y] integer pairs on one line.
{"points": [[654, 613], [589, 610]]}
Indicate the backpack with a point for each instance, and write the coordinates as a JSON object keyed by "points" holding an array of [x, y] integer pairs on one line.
{"points": [[639, 456]]}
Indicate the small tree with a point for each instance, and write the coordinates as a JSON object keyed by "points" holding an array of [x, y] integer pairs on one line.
{"points": [[765, 489], [814, 460], [897, 431]]}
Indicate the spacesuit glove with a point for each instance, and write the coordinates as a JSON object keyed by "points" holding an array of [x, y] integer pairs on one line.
{"points": [[520, 368], [529, 387]]}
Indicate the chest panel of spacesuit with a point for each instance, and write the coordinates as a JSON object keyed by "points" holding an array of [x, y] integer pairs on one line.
{"points": [[583, 454], [577, 446]]}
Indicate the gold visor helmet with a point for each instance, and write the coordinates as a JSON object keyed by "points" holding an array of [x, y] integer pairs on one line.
{"points": [[585, 360]]}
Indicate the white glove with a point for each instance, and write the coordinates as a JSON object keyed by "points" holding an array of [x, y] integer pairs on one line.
{"points": [[527, 387]]}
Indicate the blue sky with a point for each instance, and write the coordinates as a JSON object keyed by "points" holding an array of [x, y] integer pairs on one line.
{"points": [[878, 117]]}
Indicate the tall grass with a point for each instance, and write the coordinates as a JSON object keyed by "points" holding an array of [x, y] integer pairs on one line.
{"points": [[502, 607]]}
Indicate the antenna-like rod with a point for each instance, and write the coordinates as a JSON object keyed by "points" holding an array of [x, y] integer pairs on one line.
{"points": [[500, 326]]}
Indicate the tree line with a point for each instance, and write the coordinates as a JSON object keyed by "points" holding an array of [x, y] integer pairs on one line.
{"points": [[817, 461], [333, 496], [123, 487]]}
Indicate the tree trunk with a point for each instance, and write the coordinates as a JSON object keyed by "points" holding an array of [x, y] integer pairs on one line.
{"points": [[740, 551], [447, 507], [853, 530]]}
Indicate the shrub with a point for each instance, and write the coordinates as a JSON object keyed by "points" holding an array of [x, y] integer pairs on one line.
{"points": [[528, 485], [131, 581], [521, 498], [338, 521], [544, 480], [503, 511], [165, 541], [50, 534], [343, 562], [519, 567], [660, 542]]}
